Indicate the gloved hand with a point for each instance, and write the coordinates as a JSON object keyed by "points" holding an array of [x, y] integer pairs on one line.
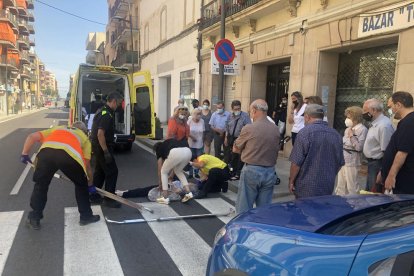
{"points": [[108, 157], [92, 189], [25, 159]]}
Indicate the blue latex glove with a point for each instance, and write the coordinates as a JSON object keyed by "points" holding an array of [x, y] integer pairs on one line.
{"points": [[92, 189], [25, 159]]}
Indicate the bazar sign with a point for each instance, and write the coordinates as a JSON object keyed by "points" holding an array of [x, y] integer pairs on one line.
{"points": [[388, 19]]}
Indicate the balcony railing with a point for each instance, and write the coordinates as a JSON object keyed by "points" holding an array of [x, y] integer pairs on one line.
{"points": [[31, 17], [120, 8], [211, 12], [31, 29], [122, 32], [4, 60], [11, 17], [127, 57], [23, 39], [24, 57]]}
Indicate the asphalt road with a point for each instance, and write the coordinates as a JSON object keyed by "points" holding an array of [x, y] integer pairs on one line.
{"points": [[62, 247]]}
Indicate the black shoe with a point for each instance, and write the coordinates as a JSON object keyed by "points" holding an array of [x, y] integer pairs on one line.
{"points": [[33, 223], [95, 199], [88, 220], [111, 203], [225, 187]]}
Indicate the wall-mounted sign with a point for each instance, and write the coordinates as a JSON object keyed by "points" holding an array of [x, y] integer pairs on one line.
{"points": [[387, 19], [231, 69]]}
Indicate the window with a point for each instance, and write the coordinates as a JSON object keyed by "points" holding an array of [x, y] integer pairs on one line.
{"points": [[187, 86], [402, 264], [163, 24]]}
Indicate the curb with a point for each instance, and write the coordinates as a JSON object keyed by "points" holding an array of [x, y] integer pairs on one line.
{"points": [[6, 118]]}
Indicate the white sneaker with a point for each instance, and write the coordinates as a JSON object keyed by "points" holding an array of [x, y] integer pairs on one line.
{"points": [[163, 200], [187, 197], [120, 193]]}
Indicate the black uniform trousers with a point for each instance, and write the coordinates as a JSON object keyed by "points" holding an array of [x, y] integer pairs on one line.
{"points": [[216, 181], [103, 172], [49, 161]]}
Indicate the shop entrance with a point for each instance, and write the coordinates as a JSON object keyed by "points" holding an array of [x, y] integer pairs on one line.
{"points": [[364, 74], [277, 84]]}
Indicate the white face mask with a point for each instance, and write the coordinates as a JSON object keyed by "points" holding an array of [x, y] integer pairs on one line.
{"points": [[348, 122], [182, 117], [205, 107], [390, 112], [180, 104], [236, 113], [220, 110]]}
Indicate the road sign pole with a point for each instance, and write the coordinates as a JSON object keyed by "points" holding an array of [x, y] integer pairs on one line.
{"points": [[222, 36]]}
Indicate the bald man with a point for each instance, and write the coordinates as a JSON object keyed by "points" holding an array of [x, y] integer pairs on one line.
{"points": [[258, 145]]}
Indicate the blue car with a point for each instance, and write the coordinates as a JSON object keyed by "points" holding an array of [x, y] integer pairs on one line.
{"points": [[328, 235]]}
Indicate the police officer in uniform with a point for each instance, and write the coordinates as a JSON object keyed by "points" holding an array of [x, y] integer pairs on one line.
{"points": [[102, 137]]}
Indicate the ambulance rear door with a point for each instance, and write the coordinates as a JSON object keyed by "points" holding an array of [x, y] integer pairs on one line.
{"points": [[142, 100]]}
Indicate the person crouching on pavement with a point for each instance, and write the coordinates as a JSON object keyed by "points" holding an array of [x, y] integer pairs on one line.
{"points": [[217, 173], [67, 149], [172, 156]]}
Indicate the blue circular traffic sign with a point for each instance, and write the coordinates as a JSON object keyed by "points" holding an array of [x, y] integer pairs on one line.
{"points": [[224, 51]]}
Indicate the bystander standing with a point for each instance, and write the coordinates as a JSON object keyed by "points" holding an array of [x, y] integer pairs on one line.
{"points": [[195, 139], [296, 114], [218, 125], [316, 156]]}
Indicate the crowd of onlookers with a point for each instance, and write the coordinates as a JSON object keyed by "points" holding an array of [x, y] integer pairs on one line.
{"points": [[246, 146]]}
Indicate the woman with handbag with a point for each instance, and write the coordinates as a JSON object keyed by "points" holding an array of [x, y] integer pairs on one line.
{"points": [[237, 120]]}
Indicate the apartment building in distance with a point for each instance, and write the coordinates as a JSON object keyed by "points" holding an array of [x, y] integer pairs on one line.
{"points": [[95, 45], [16, 74], [343, 51], [121, 48]]}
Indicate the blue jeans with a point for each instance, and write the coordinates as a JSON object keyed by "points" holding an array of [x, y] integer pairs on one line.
{"points": [[195, 153], [255, 186], [374, 166]]}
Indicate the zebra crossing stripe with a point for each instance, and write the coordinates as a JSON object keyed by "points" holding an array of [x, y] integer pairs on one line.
{"points": [[9, 222], [185, 247], [87, 246], [216, 205]]}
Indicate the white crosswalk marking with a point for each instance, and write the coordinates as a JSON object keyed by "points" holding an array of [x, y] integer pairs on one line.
{"points": [[217, 205], [22, 177], [88, 250], [185, 247], [9, 223]]}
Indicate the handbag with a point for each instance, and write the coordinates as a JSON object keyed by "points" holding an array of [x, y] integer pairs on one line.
{"points": [[281, 126]]}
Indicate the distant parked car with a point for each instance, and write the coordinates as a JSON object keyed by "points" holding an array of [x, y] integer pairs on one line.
{"points": [[329, 235], [48, 103]]}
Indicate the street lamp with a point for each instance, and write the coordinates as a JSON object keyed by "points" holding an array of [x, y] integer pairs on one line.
{"points": [[132, 38]]}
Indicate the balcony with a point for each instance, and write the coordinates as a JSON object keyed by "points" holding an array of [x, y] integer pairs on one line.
{"points": [[31, 29], [32, 43], [30, 4], [211, 12], [24, 57], [31, 17], [120, 8], [22, 7], [23, 42], [23, 28], [25, 72], [125, 58], [11, 18], [12, 63], [122, 32], [11, 4]]}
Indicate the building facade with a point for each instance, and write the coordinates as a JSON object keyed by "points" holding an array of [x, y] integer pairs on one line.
{"points": [[168, 48], [95, 45], [343, 51]]}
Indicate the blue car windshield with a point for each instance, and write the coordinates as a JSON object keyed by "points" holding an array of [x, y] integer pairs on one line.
{"points": [[372, 220]]}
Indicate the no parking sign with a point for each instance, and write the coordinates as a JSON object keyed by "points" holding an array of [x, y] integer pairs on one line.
{"points": [[224, 51]]}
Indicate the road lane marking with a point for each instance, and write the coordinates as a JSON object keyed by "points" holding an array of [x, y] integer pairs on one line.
{"points": [[9, 222], [217, 205], [22, 177], [185, 247], [88, 250], [144, 147]]}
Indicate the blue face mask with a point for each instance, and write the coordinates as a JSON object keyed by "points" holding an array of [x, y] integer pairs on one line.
{"points": [[236, 113], [220, 110]]}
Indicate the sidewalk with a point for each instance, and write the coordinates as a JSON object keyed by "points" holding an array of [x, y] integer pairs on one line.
{"points": [[5, 118], [280, 192]]}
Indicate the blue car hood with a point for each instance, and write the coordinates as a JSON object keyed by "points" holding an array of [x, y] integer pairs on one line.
{"points": [[310, 214]]}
